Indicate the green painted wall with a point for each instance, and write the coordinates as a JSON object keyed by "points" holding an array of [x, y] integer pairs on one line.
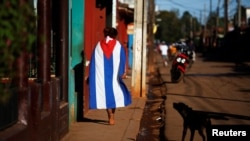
{"points": [[76, 32]]}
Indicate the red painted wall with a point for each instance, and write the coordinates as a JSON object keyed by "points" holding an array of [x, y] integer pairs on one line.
{"points": [[122, 36], [95, 21]]}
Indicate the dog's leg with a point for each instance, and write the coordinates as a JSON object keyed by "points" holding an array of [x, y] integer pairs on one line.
{"points": [[202, 134], [184, 132], [208, 129], [192, 134]]}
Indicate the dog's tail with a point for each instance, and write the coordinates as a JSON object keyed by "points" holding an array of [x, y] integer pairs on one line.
{"points": [[217, 117], [214, 115]]}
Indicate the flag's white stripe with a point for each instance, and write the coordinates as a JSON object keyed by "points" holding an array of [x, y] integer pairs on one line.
{"points": [[119, 98], [100, 85]]}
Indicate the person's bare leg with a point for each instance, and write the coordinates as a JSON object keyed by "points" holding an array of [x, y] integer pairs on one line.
{"points": [[111, 116]]}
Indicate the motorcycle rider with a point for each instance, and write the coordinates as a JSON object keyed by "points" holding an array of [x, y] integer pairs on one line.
{"points": [[180, 62], [187, 48], [191, 48], [172, 51]]}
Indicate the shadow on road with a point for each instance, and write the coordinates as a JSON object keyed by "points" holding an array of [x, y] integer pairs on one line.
{"points": [[199, 120], [185, 95]]}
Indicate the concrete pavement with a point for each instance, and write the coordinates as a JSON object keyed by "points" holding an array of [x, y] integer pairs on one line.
{"points": [[95, 127]]}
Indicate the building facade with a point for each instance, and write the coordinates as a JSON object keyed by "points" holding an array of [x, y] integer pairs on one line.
{"points": [[45, 102]]}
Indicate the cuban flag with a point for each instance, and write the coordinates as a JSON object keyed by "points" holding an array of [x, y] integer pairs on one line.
{"points": [[107, 65]]}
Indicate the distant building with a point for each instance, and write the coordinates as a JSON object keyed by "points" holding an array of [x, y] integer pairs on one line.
{"points": [[131, 3]]}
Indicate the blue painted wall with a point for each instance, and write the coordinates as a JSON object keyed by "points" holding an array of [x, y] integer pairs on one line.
{"points": [[130, 50]]}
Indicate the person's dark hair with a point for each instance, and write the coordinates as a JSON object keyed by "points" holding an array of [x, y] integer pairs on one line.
{"points": [[110, 31]]}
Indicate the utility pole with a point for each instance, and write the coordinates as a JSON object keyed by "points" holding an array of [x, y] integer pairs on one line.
{"points": [[205, 25], [191, 27], [194, 28], [139, 50], [114, 10], [144, 49], [210, 7], [151, 21], [217, 14], [239, 13], [226, 15], [200, 16]]}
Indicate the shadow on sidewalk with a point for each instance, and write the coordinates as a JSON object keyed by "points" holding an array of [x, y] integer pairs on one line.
{"points": [[152, 124], [105, 122]]}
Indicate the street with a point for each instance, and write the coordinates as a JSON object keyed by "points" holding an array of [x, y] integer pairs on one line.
{"points": [[208, 86]]}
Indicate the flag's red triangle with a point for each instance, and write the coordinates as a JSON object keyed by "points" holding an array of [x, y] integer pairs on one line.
{"points": [[108, 47]]}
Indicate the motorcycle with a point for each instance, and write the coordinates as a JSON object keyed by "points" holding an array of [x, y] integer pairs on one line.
{"points": [[179, 64]]}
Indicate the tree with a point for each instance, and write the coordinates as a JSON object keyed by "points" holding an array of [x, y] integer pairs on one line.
{"points": [[186, 24], [17, 34], [169, 26], [172, 29]]}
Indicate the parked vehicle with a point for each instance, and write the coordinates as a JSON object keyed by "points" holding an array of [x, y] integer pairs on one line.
{"points": [[180, 63]]}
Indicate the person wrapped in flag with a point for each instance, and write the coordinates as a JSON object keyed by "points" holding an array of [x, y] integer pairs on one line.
{"points": [[107, 68]]}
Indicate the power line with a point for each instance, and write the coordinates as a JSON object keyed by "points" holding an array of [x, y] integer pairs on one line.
{"points": [[180, 6], [188, 5], [184, 6]]}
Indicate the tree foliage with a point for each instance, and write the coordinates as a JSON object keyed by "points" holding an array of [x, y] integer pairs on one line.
{"points": [[171, 28], [17, 34]]}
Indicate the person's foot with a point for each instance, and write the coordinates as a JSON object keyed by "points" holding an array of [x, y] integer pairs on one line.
{"points": [[111, 119], [111, 122]]}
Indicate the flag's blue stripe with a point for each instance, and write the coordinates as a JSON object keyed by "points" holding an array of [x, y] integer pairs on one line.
{"points": [[126, 93], [108, 73], [92, 83]]}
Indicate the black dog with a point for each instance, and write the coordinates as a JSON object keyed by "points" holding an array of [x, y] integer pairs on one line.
{"points": [[193, 120]]}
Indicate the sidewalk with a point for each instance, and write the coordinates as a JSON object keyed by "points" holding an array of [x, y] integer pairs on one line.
{"points": [[96, 127]]}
